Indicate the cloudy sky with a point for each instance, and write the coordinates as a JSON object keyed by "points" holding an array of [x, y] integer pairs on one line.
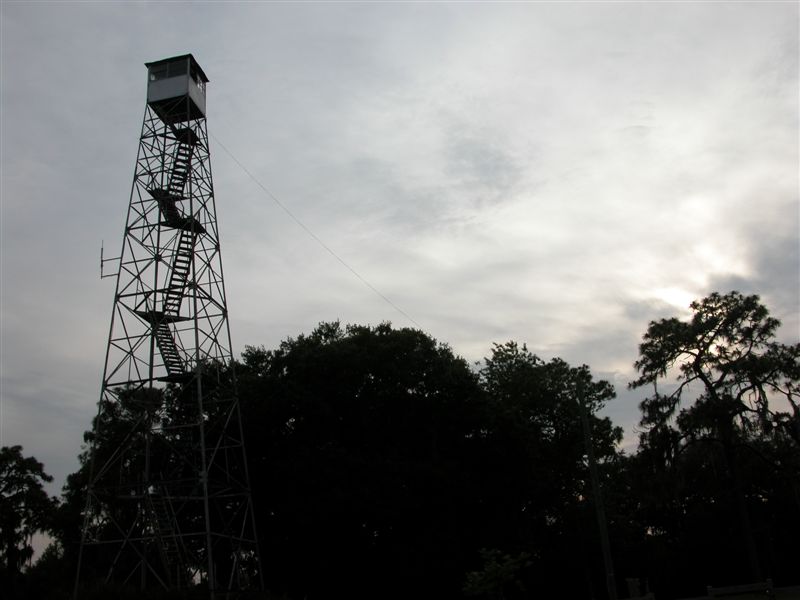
{"points": [[554, 173]]}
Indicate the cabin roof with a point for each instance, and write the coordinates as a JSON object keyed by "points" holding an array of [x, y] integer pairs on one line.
{"points": [[177, 58]]}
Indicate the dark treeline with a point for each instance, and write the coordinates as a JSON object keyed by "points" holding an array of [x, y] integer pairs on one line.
{"points": [[385, 466]]}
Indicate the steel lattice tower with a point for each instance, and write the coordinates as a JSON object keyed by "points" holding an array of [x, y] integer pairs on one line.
{"points": [[168, 500]]}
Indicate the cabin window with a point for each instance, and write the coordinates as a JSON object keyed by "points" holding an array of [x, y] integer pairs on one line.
{"points": [[158, 72], [195, 74], [167, 70]]}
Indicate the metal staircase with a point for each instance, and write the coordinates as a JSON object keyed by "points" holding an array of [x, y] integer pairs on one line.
{"points": [[169, 350], [172, 294], [181, 266], [179, 173], [181, 161], [166, 530]]}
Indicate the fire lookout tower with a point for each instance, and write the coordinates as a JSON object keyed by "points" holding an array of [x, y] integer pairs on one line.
{"points": [[168, 500]]}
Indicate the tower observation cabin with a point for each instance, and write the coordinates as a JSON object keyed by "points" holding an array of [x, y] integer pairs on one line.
{"points": [[176, 89]]}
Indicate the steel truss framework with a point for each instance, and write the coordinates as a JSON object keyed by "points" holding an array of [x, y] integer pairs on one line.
{"points": [[168, 502]]}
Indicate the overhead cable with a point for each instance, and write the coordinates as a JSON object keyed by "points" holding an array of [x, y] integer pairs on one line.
{"points": [[313, 235]]}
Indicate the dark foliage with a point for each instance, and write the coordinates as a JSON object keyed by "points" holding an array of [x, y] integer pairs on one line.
{"points": [[383, 465], [25, 509], [366, 462], [717, 475]]}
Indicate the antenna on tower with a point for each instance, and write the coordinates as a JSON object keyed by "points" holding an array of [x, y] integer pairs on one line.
{"points": [[103, 261]]}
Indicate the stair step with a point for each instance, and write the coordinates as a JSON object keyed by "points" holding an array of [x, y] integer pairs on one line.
{"points": [[166, 529], [181, 266], [169, 351]]}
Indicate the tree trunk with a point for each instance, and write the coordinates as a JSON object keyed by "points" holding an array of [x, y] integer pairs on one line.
{"points": [[741, 506]]}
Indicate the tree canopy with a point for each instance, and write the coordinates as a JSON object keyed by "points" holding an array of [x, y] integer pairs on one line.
{"points": [[384, 465], [721, 428], [25, 509], [363, 433], [383, 457], [728, 349]]}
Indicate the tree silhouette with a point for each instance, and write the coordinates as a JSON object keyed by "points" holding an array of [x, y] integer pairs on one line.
{"points": [[25, 508], [383, 465], [732, 380], [362, 442], [542, 492]]}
